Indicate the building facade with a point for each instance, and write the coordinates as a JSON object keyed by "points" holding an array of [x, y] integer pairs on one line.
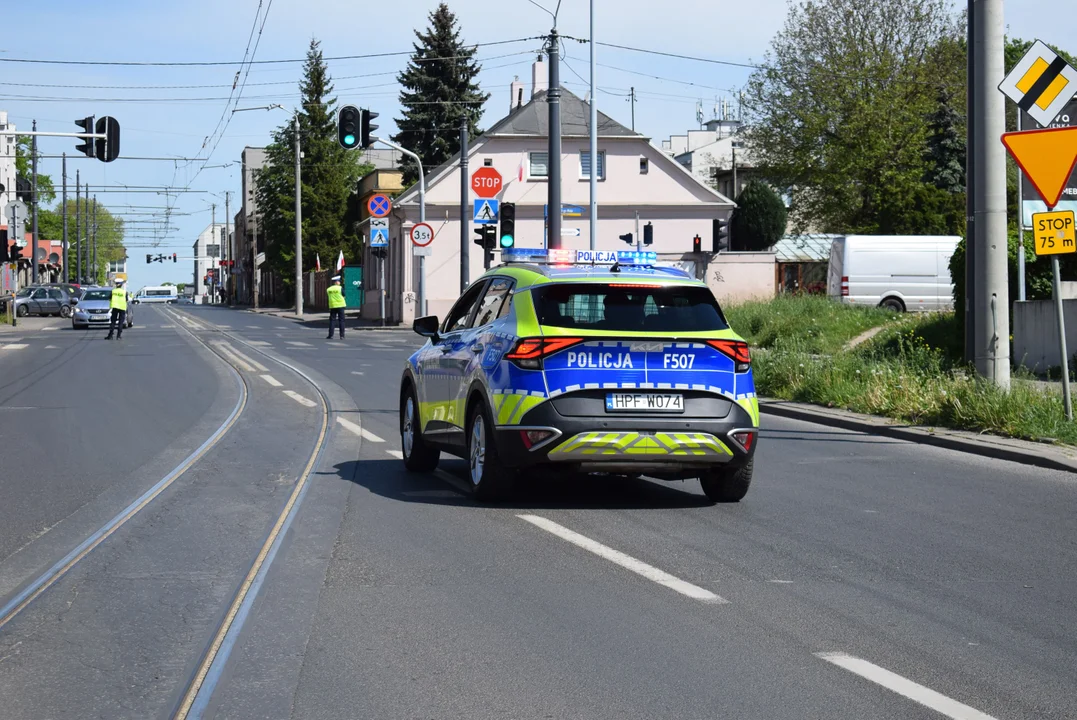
{"points": [[207, 255], [637, 184], [7, 165], [247, 242]]}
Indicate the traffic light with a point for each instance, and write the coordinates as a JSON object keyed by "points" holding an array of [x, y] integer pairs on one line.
{"points": [[627, 237], [508, 225], [87, 146], [16, 253], [697, 244], [173, 257], [487, 237], [149, 258], [721, 235], [348, 127], [108, 147], [648, 234], [365, 126]]}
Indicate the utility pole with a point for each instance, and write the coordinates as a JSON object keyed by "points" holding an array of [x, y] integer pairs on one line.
{"points": [[78, 231], [593, 132], [553, 182], [94, 241], [33, 208], [257, 270], [63, 204], [228, 242], [214, 236], [465, 250], [970, 188], [422, 215], [632, 99], [991, 308], [298, 223]]}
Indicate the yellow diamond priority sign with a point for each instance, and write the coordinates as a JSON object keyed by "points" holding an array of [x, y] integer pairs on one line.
{"points": [[1054, 233], [1041, 83]]}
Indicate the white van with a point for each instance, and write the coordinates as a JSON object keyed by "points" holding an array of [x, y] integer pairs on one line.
{"points": [[164, 294], [900, 272]]}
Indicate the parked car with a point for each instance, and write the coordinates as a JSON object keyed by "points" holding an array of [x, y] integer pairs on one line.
{"points": [[43, 300], [93, 309], [897, 272]]}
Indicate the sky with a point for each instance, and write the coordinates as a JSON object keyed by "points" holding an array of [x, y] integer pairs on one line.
{"points": [[175, 122]]}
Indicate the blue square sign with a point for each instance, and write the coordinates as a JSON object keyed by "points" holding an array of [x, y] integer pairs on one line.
{"points": [[486, 212]]}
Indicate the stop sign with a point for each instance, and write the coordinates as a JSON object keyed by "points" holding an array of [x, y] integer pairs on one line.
{"points": [[486, 182]]}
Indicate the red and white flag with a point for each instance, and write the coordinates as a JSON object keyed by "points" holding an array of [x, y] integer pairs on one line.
{"points": [[340, 261], [317, 262], [520, 170]]}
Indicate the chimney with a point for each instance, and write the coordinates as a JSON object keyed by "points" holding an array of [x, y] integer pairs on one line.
{"points": [[516, 94], [540, 77]]}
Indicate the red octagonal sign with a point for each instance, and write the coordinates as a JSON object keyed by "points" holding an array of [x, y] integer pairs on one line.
{"points": [[486, 182]]}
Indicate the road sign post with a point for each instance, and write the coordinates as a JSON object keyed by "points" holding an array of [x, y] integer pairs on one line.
{"points": [[1055, 235]]}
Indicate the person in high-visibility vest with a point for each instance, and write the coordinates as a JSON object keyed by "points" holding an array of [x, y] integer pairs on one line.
{"points": [[118, 305], [336, 307]]}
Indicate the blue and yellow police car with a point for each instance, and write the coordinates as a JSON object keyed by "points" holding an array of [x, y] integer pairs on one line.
{"points": [[583, 362]]}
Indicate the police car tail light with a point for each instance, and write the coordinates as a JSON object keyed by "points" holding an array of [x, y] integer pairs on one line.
{"points": [[534, 437], [737, 350], [529, 352], [744, 438]]}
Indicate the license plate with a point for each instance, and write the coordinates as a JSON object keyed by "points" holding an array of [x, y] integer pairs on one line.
{"points": [[645, 402], [99, 318]]}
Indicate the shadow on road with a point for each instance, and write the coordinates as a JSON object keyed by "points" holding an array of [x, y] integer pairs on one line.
{"points": [[448, 486]]}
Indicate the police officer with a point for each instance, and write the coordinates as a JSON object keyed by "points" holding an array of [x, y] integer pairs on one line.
{"points": [[336, 306], [118, 305]]}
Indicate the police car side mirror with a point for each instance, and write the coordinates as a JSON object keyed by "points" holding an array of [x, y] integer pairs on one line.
{"points": [[427, 326]]}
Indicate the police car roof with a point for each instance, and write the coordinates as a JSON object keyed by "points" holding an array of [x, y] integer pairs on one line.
{"points": [[604, 273]]}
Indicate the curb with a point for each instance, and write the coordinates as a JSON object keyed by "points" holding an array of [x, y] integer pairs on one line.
{"points": [[1043, 455], [325, 317]]}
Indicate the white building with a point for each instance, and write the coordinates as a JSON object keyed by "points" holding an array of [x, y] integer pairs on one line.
{"points": [[637, 184], [7, 165], [207, 253], [714, 154]]}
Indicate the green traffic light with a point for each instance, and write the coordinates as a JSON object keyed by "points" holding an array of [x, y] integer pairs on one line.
{"points": [[506, 241], [349, 140]]}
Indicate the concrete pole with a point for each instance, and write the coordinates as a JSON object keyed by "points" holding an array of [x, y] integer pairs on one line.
{"points": [[93, 244], [991, 299], [465, 249], [213, 235], [422, 214], [33, 208], [553, 182], [298, 222], [228, 244], [970, 189], [593, 182], [63, 205], [257, 269], [1020, 225], [78, 230]]}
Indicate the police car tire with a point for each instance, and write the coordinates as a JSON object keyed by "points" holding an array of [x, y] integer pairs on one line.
{"points": [[725, 485], [497, 481], [423, 458]]}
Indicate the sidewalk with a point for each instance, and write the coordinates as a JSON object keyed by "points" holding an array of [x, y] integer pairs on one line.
{"points": [[321, 319], [1045, 454]]}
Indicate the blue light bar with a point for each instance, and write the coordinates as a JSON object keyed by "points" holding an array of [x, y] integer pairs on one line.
{"points": [[523, 255], [632, 257]]}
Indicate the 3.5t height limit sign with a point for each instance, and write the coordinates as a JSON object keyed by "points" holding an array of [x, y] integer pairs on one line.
{"points": [[486, 182]]}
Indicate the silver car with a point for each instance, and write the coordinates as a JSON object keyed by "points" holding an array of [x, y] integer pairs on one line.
{"points": [[93, 309], [43, 300]]}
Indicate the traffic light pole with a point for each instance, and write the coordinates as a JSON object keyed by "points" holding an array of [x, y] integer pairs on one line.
{"points": [[593, 132], [33, 208], [93, 242], [465, 250], [422, 215], [63, 205], [228, 249], [78, 230], [553, 182], [299, 223]]}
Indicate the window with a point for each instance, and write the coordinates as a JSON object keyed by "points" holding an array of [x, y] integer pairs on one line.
{"points": [[461, 311], [496, 297], [40, 294], [585, 164], [55, 294], [644, 166], [538, 164], [639, 308]]}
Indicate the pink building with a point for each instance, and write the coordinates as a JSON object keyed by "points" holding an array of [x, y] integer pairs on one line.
{"points": [[634, 177]]}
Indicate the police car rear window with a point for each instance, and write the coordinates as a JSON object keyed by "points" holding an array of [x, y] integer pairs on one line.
{"points": [[628, 307]]}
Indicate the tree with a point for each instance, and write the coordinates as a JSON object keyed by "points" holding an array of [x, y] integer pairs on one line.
{"points": [[946, 140], [837, 109], [439, 90], [110, 232], [24, 151], [329, 177], [759, 220]]}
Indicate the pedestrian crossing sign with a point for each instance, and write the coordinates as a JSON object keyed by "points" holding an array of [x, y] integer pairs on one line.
{"points": [[486, 212], [1041, 84]]}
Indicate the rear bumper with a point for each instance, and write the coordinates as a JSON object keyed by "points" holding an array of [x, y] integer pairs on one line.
{"points": [[652, 445]]}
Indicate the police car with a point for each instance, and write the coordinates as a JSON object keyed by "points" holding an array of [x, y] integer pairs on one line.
{"points": [[583, 362]]}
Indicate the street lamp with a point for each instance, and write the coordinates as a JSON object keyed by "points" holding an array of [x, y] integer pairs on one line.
{"points": [[298, 206]]}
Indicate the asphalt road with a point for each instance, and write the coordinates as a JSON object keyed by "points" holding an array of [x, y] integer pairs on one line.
{"points": [[861, 577]]}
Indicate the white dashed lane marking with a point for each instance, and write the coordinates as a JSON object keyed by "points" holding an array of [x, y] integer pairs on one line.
{"points": [[298, 343], [14, 346], [396, 453], [903, 686], [355, 429], [299, 398], [626, 561], [272, 380]]}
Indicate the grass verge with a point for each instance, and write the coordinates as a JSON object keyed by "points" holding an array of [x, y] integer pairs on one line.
{"points": [[911, 371], [804, 323]]}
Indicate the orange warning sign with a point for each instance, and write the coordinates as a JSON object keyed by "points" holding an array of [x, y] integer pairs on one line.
{"points": [[1047, 157]]}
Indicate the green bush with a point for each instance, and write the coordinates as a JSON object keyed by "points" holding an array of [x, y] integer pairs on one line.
{"points": [[759, 220]]}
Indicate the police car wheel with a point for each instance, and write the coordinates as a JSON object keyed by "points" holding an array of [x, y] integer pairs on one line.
{"points": [[418, 456], [725, 485], [489, 479]]}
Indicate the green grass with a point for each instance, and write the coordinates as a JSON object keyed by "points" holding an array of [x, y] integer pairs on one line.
{"points": [[804, 323], [911, 371]]}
